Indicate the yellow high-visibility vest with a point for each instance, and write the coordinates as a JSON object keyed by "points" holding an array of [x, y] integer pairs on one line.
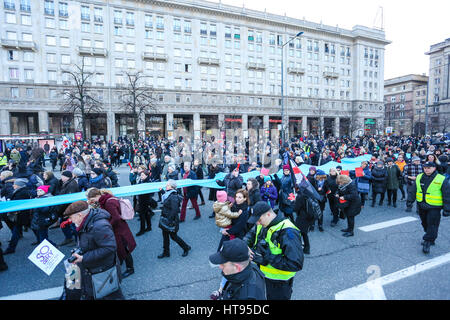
{"points": [[269, 271], [434, 192]]}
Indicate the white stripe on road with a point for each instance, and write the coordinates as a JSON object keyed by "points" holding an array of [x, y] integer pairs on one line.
{"points": [[387, 224], [46, 294], [373, 290]]}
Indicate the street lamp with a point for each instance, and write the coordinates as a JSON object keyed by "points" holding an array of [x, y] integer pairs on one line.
{"points": [[283, 118]]}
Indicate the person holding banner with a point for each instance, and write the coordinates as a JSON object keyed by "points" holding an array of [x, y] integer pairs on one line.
{"points": [[331, 188], [349, 202], [363, 178]]}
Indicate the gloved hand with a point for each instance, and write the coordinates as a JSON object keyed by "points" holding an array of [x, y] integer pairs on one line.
{"points": [[65, 224], [446, 213], [260, 259]]}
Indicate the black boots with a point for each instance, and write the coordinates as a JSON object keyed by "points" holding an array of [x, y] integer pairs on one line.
{"points": [[164, 255], [140, 233], [128, 272], [426, 247], [186, 251], [3, 265]]}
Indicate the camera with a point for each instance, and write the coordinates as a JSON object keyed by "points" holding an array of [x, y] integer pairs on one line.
{"points": [[77, 251]]}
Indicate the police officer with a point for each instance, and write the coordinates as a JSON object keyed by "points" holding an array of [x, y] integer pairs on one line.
{"points": [[277, 249], [244, 279], [430, 200], [3, 160]]}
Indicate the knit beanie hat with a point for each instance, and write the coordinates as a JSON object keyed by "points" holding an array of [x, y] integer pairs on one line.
{"points": [[67, 174], [44, 188], [221, 196], [286, 167]]}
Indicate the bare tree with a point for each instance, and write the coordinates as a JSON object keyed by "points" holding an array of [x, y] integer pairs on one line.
{"points": [[79, 100], [354, 121], [137, 98]]}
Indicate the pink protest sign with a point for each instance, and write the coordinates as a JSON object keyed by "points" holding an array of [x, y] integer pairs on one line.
{"points": [[265, 171]]}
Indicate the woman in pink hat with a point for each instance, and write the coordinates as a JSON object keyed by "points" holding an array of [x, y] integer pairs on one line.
{"points": [[43, 217]]}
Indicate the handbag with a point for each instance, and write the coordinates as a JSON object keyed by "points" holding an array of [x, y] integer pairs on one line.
{"points": [[106, 282], [166, 225]]}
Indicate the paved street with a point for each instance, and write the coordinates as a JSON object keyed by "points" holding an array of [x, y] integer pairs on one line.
{"points": [[335, 264]]}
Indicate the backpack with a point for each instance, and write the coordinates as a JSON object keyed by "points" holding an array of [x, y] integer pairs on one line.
{"points": [[313, 208], [126, 208]]}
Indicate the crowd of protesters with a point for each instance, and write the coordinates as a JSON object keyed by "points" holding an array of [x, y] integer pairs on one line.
{"points": [[90, 167]]}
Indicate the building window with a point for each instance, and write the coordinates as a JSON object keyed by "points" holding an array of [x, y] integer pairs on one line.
{"points": [[49, 8], [14, 92], [10, 17]]}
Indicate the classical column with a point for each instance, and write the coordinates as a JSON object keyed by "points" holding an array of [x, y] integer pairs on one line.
{"points": [[169, 125], [304, 124], [321, 127], [141, 125], [43, 121], [221, 122], [336, 126], [111, 126], [5, 128], [266, 125]]}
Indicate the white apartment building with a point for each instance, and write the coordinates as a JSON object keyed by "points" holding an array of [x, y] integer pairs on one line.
{"points": [[213, 67]]}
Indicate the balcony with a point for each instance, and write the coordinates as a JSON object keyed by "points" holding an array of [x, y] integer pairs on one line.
{"points": [[209, 61], [19, 45], [332, 75], [155, 56], [90, 51], [256, 66], [296, 70]]}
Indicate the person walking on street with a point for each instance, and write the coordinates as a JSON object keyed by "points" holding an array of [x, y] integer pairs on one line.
{"points": [[189, 193], [431, 198], [143, 206], [410, 173], [277, 249], [349, 202], [244, 280], [169, 220], [379, 184], [393, 177]]}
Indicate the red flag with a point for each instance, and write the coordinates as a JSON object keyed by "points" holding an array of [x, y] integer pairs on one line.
{"points": [[296, 170], [345, 172], [129, 164], [359, 172]]}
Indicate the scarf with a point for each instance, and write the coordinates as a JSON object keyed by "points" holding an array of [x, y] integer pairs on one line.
{"points": [[167, 194]]}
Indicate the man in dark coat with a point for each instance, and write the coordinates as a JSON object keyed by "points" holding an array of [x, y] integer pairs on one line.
{"points": [[97, 244], [304, 219], [379, 182], [349, 202], [16, 220], [68, 185], [244, 279], [232, 183]]}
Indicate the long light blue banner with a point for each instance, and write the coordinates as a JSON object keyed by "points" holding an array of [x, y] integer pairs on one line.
{"points": [[18, 205]]}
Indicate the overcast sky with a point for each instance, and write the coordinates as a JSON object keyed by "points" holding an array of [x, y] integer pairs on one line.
{"points": [[411, 25]]}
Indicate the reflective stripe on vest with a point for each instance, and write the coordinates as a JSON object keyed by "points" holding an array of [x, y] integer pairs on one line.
{"points": [[434, 192], [3, 161], [269, 271]]}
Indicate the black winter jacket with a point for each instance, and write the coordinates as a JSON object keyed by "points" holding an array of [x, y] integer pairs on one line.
{"points": [[352, 207], [98, 244], [379, 179], [231, 184], [170, 210], [249, 284]]}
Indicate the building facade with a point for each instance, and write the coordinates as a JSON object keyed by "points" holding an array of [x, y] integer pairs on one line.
{"points": [[212, 67], [404, 99], [439, 87]]}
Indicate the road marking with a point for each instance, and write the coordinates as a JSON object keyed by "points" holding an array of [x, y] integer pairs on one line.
{"points": [[46, 294], [387, 224], [373, 290]]}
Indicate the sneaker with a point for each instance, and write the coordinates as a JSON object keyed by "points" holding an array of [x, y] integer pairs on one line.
{"points": [[215, 295]]}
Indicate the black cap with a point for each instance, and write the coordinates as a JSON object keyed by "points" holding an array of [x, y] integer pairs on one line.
{"points": [[259, 209], [235, 250], [429, 164]]}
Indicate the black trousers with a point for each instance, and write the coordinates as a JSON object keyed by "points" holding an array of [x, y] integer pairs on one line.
{"points": [[332, 201], [392, 195], [305, 239], [176, 238], [129, 263], [431, 219], [279, 289], [350, 223], [402, 189], [144, 216], [411, 196], [374, 197], [201, 195], [363, 197]]}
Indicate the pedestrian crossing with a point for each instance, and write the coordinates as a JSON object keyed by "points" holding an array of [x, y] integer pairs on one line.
{"points": [[387, 224]]}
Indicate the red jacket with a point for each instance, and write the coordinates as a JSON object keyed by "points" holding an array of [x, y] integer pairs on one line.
{"points": [[124, 238]]}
